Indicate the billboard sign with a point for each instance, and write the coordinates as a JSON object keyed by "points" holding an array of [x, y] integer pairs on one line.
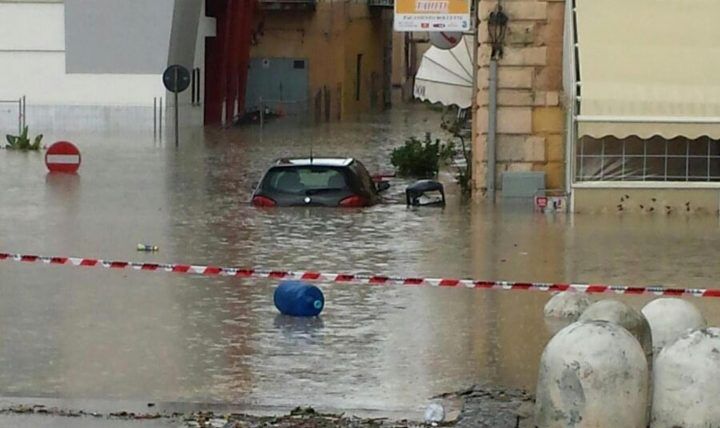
{"points": [[432, 15]]}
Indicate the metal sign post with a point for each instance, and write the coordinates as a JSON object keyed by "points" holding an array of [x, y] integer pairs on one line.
{"points": [[176, 79], [177, 111]]}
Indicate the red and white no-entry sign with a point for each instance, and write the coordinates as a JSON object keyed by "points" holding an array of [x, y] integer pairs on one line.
{"points": [[63, 156]]}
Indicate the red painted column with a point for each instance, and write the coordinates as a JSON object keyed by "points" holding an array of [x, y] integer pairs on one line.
{"points": [[216, 63], [228, 58], [212, 109]]}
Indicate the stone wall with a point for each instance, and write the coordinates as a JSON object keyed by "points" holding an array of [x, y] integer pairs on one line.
{"points": [[531, 119]]}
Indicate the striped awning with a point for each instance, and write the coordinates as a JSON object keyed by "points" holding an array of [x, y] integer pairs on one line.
{"points": [[649, 67], [445, 76]]}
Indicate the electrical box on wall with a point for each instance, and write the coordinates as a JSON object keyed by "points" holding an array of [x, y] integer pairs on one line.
{"points": [[524, 185]]}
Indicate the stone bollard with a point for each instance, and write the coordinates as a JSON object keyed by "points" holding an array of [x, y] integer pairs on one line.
{"points": [[592, 374], [564, 309], [669, 319], [626, 317], [686, 387], [631, 320]]}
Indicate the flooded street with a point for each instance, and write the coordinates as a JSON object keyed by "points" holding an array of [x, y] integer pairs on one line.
{"points": [[124, 335]]}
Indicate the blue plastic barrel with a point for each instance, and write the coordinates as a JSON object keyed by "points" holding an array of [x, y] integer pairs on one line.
{"points": [[299, 299]]}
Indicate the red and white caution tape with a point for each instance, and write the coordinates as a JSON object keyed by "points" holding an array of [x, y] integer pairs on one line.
{"points": [[345, 278]]}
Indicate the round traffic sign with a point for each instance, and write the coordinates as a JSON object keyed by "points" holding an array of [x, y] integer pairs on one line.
{"points": [[62, 156], [445, 39], [176, 78]]}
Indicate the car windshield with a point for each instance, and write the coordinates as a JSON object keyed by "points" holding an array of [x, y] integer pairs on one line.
{"points": [[304, 180]]}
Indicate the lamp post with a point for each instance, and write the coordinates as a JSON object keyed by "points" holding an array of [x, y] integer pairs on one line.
{"points": [[497, 26]]}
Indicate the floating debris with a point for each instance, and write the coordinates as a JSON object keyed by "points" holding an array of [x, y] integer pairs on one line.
{"points": [[148, 248], [300, 417]]}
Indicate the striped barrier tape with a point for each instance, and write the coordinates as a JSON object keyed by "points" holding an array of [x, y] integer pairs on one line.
{"points": [[349, 278]]}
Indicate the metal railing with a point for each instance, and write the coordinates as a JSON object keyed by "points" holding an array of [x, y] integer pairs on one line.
{"points": [[266, 109], [157, 117], [20, 102]]}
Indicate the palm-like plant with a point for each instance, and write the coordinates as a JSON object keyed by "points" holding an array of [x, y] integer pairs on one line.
{"points": [[22, 142]]}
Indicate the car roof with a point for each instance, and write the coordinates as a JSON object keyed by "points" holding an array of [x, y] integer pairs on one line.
{"points": [[314, 161]]}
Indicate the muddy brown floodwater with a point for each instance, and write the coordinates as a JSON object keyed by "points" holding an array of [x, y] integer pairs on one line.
{"points": [[123, 335]]}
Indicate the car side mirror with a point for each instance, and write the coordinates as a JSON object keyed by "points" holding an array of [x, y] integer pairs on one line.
{"points": [[382, 186]]}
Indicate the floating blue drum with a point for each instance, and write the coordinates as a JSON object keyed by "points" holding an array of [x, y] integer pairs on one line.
{"points": [[299, 299]]}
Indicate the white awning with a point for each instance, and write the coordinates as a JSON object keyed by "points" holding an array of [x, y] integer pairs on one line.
{"points": [[445, 76], [649, 67]]}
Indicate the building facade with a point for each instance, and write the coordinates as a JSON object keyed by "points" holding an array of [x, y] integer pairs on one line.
{"points": [[325, 59], [407, 53], [615, 102], [96, 65], [530, 116]]}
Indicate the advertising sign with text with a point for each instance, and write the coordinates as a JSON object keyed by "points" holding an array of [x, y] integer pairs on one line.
{"points": [[432, 15]]}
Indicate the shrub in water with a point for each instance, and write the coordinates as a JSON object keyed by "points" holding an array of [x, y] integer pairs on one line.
{"points": [[417, 158], [22, 142]]}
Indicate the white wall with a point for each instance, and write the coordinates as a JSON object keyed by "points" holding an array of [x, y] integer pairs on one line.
{"points": [[194, 114], [32, 54], [33, 64], [118, 36], [41, 77], [25, 26], [184, 39]]}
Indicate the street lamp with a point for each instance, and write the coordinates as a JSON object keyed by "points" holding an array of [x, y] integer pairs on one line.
{"points": [[497, 26]]}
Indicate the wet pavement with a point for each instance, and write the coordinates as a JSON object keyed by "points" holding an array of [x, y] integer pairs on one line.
{"points": [[99, 334]]}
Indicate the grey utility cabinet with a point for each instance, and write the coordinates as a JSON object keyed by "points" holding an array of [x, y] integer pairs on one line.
{"points": [[522, 184]]}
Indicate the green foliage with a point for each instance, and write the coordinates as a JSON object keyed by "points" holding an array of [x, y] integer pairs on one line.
{"points": [[457, 125], [417, 158], [422, 159], [22, 142], [464, 174], [452, 126], [447, 152]]}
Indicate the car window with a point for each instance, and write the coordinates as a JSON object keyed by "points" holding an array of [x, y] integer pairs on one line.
{"points": [[303, 179]]}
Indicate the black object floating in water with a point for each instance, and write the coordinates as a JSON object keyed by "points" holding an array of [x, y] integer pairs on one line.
{"points": [[425, 193]]}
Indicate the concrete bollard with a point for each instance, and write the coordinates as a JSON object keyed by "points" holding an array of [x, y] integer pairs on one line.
{"points": [[626, 317], [592, 374], [631, 320], [686, 387], [564, 309], [669, 319]]}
